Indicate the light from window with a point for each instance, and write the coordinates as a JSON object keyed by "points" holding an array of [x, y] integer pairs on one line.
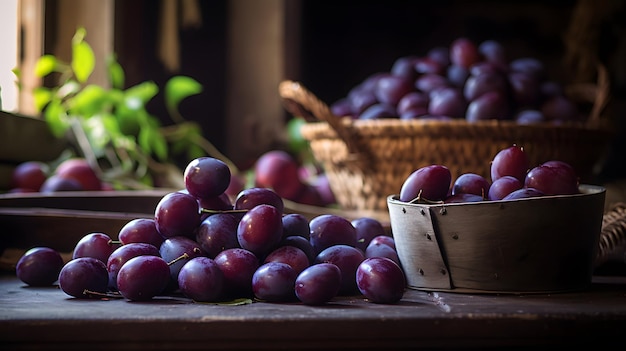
{"points": [[8, 59]]}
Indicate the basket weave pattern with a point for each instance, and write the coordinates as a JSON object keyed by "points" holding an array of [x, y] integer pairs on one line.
{"points": [[367, 160]]}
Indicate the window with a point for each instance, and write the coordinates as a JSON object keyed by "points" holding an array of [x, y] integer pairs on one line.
{"points": [[9, 57]]}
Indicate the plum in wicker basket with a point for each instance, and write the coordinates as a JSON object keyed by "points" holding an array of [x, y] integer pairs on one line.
{"points": [[367, 160]]}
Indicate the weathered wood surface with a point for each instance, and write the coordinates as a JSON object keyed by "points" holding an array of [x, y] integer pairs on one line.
{"points": [[59, 220], [36, 318]]}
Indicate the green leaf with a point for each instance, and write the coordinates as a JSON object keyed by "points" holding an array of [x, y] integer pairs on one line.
{"points": [[159, 146], [41, 97], [130, 121], [83, 60], [97, 134], [125, 142], [45, 65], [18, 72], [116, 96], [194, 151], [55, 117], [184, 141], [116, 73], [234, 302], [111, 125], [18, 75], [296, 142], [137, 96], [68, 89], [152, 122], [92, 100], [131, 112], [79, 35], [127, 119], [143, 138], [249, 177], [151, 141], [132, 104], [179, 88]]}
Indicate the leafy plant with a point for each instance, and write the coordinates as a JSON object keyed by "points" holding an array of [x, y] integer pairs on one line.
{"points": [[110, 126]]}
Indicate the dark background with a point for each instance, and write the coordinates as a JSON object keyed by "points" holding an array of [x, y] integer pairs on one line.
{"points": [[342, 42]]}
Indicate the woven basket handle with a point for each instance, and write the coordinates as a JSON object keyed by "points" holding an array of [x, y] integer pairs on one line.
{"points": [[599, 94], [613, 233], [300, 102]]}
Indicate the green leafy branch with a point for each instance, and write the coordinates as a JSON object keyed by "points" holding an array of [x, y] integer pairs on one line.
{"points": [[111, 126]]}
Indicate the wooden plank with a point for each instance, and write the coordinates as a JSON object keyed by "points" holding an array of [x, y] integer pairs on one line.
{"points": [[37, 317], [142, 201], [60, 219], [58, 229]]}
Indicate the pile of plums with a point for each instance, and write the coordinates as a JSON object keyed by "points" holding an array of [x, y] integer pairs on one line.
{"points": [[208, 248], [74, 174], [511, 178], [465, 80]]}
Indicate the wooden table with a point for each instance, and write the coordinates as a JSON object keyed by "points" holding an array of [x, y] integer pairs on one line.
{"points": [[38, 318]]}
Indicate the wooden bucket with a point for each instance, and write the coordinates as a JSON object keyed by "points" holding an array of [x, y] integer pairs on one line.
{"points": [[543, 244]]}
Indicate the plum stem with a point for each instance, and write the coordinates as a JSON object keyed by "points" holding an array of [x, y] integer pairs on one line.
{"points": [[91, 293], [181, 257], [206, 210]]}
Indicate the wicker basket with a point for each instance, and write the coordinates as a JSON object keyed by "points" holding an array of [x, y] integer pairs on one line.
{"points": [[367, 160]]}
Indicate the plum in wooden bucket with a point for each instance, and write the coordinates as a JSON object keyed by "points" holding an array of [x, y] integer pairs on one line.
{"points": [[537, 244]]}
